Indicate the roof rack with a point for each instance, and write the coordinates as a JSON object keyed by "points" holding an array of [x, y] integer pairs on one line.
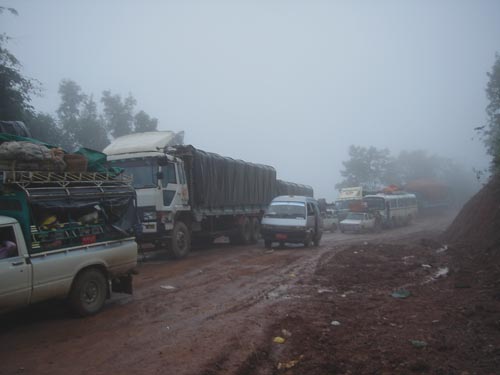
{"points": [[54, 185]]}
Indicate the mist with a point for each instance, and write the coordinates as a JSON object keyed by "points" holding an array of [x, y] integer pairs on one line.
{"points": [[289, 84]]}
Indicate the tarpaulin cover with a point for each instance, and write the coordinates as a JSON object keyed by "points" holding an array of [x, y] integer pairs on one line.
{"points": [[291, 188], [97, 161], [217, 182]]}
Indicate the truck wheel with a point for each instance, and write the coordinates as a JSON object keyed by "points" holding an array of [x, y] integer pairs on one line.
{"points": [[255, 224], [268, 244], [245, 228], [89, 291], [181, 241]]}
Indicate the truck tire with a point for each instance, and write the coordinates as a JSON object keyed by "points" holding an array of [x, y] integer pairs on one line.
{"points": [[180, 244], [245, 231], [268, 244], [255, 224], [89, 292]]}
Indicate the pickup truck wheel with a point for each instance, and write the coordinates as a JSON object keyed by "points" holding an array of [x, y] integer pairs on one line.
{"points": [[89, 291], [181, 241]]}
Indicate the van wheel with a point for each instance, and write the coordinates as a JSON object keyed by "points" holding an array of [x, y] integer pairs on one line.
{"points": [[255, 225], [89, 291], [180, 243], [307, 241], [317, 240]]}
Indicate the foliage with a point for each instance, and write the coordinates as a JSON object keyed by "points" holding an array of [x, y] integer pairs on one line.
{"points": [[366, 167], [373, 169], [492, 130], [15, 89], [44, 127], [84, 126], [118, 113], [144, 123]]}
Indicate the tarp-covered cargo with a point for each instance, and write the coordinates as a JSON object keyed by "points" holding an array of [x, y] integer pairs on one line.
{"points": [[217, 182], [291, 188]]}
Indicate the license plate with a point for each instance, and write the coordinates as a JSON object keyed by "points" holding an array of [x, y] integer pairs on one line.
{"points": [[281, 236]]}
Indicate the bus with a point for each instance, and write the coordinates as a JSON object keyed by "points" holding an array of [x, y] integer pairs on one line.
{"points": [[395, 209]]}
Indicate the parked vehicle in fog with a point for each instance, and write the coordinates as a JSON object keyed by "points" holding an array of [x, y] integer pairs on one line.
{"points": [[292, 219], [359, 222]]}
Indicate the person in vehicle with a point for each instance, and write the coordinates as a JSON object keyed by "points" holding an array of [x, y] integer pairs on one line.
{"points": [[8, 249]]}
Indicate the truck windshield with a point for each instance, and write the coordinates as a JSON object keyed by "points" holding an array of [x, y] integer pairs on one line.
{"points": [[143, 172], [345, 204], [296, 210]]}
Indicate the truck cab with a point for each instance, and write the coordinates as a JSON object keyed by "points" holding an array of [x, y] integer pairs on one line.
{"points": [[160, 183]]}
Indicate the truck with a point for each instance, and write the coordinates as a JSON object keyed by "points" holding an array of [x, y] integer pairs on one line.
{"points": [[348, 199], [65, 235], [432, 196], [185, 193]]}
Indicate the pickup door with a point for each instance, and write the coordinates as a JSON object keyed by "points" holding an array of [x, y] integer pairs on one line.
{"points": [[15, 270]]}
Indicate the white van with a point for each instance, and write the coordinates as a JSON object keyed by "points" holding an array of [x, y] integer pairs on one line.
{"points": [[292, 219]]}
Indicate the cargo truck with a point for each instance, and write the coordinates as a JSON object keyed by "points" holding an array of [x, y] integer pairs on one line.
{"points": [[185, 193]]}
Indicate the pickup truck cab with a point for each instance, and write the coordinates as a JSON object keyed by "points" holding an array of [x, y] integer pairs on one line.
{"points": [[84, 274]]}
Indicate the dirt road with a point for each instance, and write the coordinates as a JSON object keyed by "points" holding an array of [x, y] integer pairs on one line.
{"points": [[212, 313]]}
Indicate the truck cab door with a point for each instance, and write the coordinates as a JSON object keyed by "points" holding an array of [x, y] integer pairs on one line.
{"points": [[174, 188], [15, 269]]}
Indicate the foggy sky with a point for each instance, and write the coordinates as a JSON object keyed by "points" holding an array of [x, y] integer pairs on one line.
{"points": [[286, 83]]}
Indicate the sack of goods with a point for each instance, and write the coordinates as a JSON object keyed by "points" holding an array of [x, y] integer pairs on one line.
{"points": [[31, 156]]}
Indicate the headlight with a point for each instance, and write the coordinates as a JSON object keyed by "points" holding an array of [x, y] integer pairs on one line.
{"points": [[149, 216]]}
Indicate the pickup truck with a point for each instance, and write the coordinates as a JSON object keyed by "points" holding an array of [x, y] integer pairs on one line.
{"points": [[85, 275], [65, 235], [360, 222]]}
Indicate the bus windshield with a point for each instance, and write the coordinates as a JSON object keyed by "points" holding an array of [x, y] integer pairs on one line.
{"points": [[376, 203], [143, 171]]}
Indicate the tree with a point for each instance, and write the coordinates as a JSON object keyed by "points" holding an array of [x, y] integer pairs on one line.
{"points": [[144, 123], [366, 167], [44, 127], [15, 89], [492, 130], [118, 113], [81, 123], [91, 132]]}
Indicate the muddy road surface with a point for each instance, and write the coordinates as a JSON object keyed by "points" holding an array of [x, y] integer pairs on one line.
{"points": [[212, 313]]}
